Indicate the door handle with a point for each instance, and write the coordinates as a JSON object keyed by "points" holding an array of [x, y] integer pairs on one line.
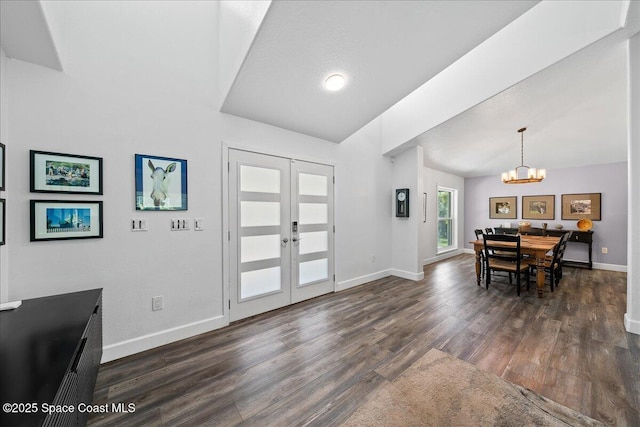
{"points": [[284, 242], [295, 240]]}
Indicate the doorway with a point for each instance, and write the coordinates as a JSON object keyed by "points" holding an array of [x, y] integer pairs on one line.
{"points": [[281, 232]]}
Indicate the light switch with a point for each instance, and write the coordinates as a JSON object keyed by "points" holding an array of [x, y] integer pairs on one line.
{"points": [[138, 224], [198, 224], [180, 224]]}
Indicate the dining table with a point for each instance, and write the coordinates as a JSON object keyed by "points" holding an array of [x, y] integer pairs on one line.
{"points": [[534, 246]]}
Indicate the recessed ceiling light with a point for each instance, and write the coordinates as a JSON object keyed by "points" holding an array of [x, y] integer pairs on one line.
{"points": [[334, 82]]}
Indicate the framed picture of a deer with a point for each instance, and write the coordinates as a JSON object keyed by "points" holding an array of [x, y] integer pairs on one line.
{"points": [[161, 183]]}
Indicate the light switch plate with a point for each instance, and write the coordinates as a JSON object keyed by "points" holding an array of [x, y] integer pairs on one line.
{"points": [[138, 224]]}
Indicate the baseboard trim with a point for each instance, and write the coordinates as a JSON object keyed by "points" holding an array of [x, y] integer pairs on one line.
{"points": [[352, 283], [632, 326], [407, 274], [610, 267], [443, 256], [157, 339]]}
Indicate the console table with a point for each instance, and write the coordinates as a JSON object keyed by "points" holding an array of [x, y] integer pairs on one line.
{"points": [[50, 354], [577, 236]]}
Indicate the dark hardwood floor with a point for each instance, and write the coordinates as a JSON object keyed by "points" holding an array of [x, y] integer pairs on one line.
{"points": [[315, 362]]}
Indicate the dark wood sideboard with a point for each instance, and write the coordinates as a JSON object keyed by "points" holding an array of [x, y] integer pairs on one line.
{"points": [[577, 236], [50, 352]]}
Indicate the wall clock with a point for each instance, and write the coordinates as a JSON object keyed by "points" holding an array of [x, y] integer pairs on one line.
{"points": [[402, 203]]}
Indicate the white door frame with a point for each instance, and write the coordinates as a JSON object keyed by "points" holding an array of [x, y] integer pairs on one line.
{"points": [[224, 200]]}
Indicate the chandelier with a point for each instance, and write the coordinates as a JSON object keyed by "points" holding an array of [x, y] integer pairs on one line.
{"points": [[532, 175]]}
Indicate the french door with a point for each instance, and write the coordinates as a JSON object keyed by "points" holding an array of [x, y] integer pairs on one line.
{"points": [[280, 232]]}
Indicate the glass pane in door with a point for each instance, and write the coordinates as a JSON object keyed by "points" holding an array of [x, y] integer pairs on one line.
{"points": [[259, 282], [259, 180], [312, 185], [312, 213], [312, 271], [259, 214], [316, 241], [256, 248]]}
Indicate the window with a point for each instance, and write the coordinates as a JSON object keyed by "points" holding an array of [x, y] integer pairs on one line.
{"points": [[446, 219]]}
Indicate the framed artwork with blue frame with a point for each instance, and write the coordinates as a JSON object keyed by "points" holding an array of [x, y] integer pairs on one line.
{"points": [[161, 183]]}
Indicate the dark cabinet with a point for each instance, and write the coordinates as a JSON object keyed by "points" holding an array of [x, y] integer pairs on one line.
{"points": [[49, 359]]}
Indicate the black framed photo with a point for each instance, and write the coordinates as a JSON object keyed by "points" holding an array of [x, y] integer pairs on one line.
{"points": [[538, 207], [579, 206], [65, 220], [65, 173], [2, 165], [161, 183], [503, 207], [3, 223]]}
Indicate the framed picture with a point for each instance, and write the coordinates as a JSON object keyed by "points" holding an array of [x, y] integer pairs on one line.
{"points": [[3, 214], [64, 220], [161, 183], [503, 207], [538, 207], [2, 165], [65, 173], [578, 206]]}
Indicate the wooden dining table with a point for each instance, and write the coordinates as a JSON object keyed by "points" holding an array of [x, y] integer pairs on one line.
{"points": [[534, 246]]}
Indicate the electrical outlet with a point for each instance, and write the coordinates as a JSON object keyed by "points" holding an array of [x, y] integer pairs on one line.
{"points": [[605, 250], [138, 224], [157, 303], [373, 258]]}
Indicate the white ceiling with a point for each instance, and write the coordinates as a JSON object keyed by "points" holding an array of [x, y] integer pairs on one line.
{"points": [[25, 34], [385, 49], [575, 110], [575, 113]]}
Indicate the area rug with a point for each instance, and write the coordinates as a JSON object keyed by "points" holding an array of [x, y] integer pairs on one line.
{"points": [[440, 390]]}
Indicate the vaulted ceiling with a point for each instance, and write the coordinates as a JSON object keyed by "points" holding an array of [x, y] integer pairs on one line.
{"points": [[574, 108], [384, 49]]}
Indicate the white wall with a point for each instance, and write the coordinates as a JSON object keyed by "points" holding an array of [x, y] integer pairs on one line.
{"points": [[405, 236], [4, 138], [632, 316], [429, 244], [151, 88]]}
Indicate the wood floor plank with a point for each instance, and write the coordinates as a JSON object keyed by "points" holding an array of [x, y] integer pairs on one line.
{"points": [[316, 362]]}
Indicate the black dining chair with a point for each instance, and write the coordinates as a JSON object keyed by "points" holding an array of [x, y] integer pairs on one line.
{"points": [[507, 258], [479, 233], [553, 262]]}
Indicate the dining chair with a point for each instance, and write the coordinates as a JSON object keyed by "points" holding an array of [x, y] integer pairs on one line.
{"points": [[562, 246], [488, 230], [553, 262], [479, 234], [507, 258]]}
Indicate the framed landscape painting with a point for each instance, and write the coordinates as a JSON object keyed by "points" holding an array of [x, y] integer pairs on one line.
{"points": [[2, 165], [503, 207], [161, 183], [584, 205], [538, 207], [64, 220], [65, 173]]}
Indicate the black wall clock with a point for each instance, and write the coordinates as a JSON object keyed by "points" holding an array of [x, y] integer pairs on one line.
{"points": [[402, 203]]}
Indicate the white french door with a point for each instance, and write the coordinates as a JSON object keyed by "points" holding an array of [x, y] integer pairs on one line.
{"points": [[280, 232]]}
